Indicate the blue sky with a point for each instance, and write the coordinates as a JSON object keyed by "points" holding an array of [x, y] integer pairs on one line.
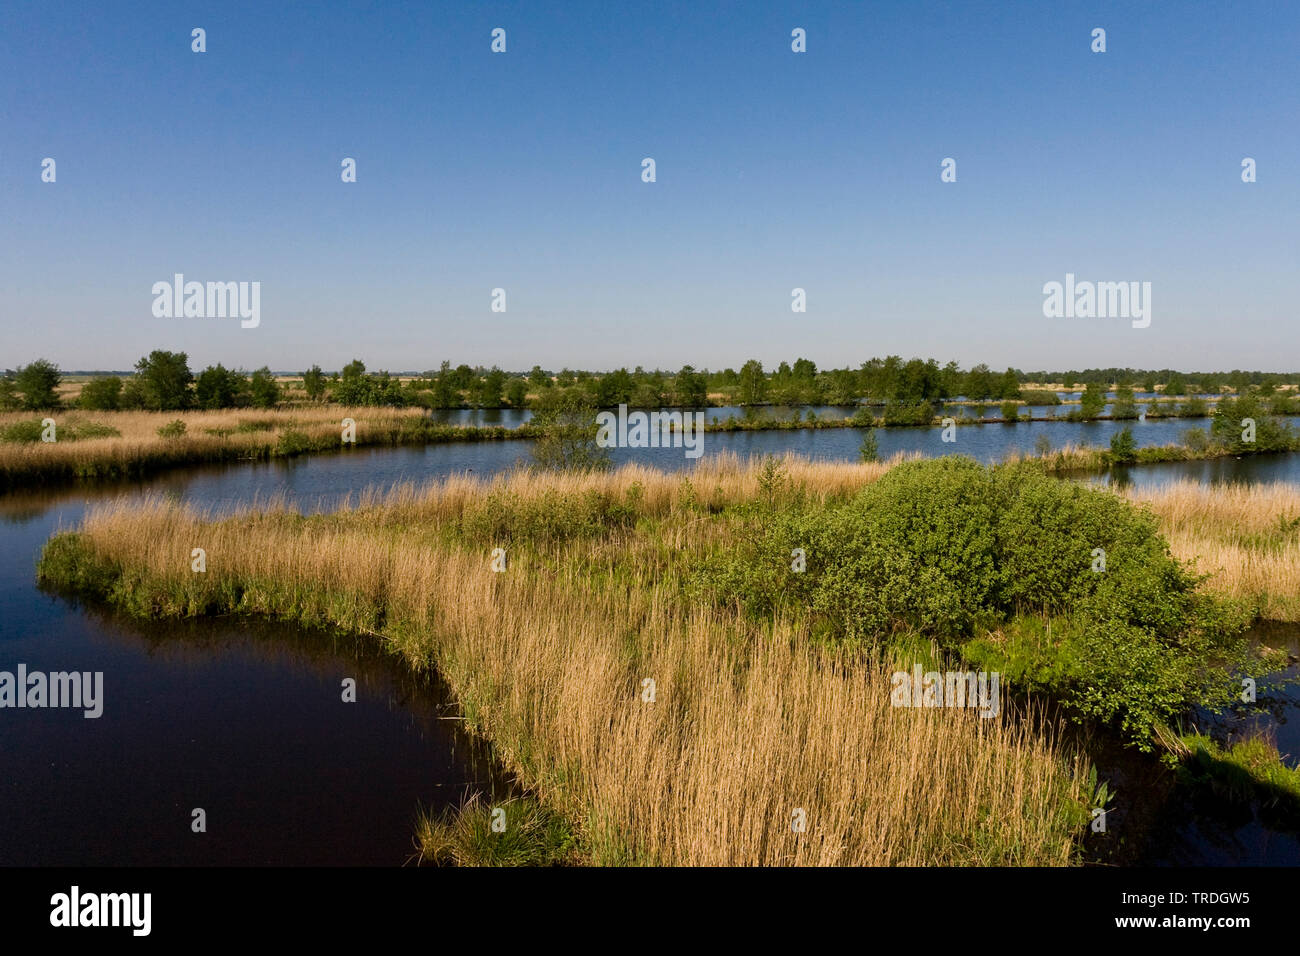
{"points": [[775, 170]]}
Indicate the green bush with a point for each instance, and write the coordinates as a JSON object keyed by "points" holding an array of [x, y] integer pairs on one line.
{"points": [[70, 430], [25, 431], [173, 429], [101, 394], [1123, 449], [908, 413], [967, 554], [1010, 411], [1228, 428], [293, 442], [869, 450]]}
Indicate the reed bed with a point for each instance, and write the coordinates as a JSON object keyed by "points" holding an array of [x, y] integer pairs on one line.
{"points": [[216, 436], [1245, 537], [753, 725]]}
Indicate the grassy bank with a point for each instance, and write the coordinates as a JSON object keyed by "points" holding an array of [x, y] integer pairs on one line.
{"points": [[754, 723], [102, 446], [108, 446]]}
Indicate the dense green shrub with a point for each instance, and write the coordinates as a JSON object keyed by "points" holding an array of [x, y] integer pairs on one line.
{"points": [[1229, 427], [101, 394], [908, 413], [69, 430], [1123, 449], [960, 552], [291, 441], [869, 450], [173, 429], [1039, 396]]}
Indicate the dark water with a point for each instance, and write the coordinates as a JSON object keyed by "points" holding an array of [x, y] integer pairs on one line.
{"points": [[246, 721], [1199, 827], [242, 719]]}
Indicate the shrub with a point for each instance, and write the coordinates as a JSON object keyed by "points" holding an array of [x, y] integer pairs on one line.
{"points": [[26, 431], [292, 442], [869, 450], [101, 394], [567, 434], [173, 429], [908, 413], [38, 383], [1227, 427], [72, 430], [1010, 411], [1123, 450], [963, 553], [1196, 439], [863, 417]]}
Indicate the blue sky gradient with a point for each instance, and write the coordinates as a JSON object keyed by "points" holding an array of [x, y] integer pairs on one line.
{"points": [[775, 170]]}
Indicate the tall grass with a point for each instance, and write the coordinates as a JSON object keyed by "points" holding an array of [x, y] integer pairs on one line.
{"points": [[137, 448], [1246, 537], [751, 721]]}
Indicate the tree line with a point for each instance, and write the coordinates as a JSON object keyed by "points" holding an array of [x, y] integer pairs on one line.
{"points": [[163, 381]]}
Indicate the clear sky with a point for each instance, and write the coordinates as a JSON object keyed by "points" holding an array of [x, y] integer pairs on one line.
{"points": [[775, 170]]}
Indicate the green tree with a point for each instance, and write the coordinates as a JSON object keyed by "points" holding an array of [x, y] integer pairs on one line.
{"points": [[1175, 384], [869, 450], [614, 388], [313, 382], [690, 388], [264, 389], [164, 379], [1243, 426], [567, 430], [752, 389], [980, 383], [488, 389], [1125, 407], [1123, 450], [1093, 401], [38, 383], [445, 393], [354, 386], [1010, 385], [219, 387], [517, 393], [101, 394]]}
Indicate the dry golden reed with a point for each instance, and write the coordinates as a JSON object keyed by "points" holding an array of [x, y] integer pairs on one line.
{"points": [[1246, 537]]}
